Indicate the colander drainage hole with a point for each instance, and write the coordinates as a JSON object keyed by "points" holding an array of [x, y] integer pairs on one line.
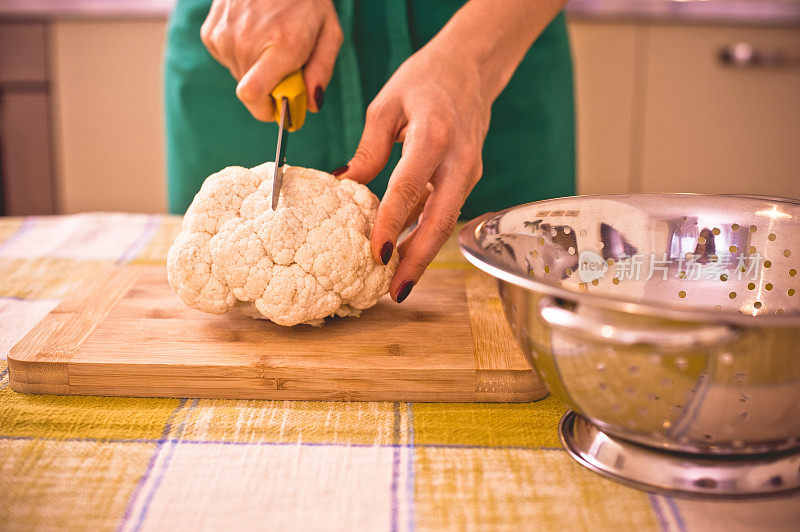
{"points": [[602, 386], [634, 370], [708, 437], [705, 482], [776, 481], [744, 415]]}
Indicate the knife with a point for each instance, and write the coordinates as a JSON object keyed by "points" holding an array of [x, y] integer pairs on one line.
{"points": [[289, 111]]}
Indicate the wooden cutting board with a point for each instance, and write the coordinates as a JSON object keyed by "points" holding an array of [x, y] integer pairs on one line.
{"points": [[123, 332]]}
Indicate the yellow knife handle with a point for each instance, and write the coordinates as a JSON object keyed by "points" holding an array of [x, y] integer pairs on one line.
{"points": [[293, 88]]}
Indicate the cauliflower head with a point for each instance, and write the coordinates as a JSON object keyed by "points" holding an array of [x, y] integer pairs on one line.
{"points": [[308, 259]]}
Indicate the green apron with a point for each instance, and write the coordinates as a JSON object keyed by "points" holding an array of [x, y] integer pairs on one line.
{"points": [[529, 151]]}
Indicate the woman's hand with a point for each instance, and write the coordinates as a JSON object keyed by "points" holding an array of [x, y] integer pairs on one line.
{"points": [[438, 105], [263, 41], [434, 104]]}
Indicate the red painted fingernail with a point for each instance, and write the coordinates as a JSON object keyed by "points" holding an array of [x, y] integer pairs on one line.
{"points": [[386, 252], [339, 171], [405, 289], [319, 97]]}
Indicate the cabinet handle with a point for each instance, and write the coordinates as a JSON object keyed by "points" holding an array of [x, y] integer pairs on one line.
{"points": [[745, 55]]}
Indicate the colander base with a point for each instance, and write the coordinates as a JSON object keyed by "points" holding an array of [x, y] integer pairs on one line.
{"points": [[678, 474]]}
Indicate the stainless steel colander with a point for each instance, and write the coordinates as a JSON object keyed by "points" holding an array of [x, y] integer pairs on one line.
{"points": [[668, 320]]}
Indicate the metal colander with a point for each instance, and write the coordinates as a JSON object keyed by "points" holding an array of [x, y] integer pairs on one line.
{"points": [[669, 320]]}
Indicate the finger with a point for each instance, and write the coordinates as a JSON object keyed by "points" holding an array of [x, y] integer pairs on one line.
{"points": [[255, 86], [217, 41], [319, 68], [421, 246], [423, 150], [375, 146], [417, 212], [207, 28]]}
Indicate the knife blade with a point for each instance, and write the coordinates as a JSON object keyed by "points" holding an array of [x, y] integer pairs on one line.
{"points": [[289, 111], [280, 152]]}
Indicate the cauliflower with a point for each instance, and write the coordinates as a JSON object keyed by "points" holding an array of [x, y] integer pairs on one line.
{"points": [[306, 260]]}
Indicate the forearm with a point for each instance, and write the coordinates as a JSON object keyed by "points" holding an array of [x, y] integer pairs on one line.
{"points": [[495, 35]]}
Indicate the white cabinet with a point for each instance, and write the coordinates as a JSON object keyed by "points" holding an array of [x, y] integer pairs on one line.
{"points": [[657, 111], [109, 120], [604, 64], [707, 127]]}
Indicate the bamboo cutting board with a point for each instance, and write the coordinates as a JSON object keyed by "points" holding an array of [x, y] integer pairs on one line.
{"points": [[123, 332]]}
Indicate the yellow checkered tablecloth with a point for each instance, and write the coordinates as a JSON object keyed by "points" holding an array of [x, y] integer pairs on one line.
{"points": [[101, 463]]}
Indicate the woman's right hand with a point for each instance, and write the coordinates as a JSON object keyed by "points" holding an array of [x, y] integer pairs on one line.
{"points": [[263, 41]]}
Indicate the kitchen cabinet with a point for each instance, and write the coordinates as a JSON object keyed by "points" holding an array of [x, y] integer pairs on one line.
{"points": [[109, 132], [605, 63], [657, 110], [707, 127], [26, 170]]}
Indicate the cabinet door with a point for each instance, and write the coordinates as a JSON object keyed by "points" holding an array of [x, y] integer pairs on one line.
{"points": [[107, 87], [26, 176], [714, 128], [25, 133], [604, 64]]}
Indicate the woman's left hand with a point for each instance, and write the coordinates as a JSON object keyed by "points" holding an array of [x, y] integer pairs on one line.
{"points": [[436, 106]]}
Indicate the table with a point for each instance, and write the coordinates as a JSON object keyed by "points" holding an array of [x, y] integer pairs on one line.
{"points": [[104, 463]]}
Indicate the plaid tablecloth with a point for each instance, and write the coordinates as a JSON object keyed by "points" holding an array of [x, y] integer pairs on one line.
{"points": [[102, 463]]}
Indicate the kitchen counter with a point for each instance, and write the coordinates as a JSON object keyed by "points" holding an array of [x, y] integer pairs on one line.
{"points": [[765, 12]]}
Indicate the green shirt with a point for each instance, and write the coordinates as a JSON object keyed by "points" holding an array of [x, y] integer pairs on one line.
{"points": [[528, 154]]}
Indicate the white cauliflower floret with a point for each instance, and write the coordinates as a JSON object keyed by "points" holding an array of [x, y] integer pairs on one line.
{"points": [[305, 261]]}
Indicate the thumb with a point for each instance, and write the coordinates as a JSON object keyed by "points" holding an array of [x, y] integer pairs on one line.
{"points": [[374, 148]]}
